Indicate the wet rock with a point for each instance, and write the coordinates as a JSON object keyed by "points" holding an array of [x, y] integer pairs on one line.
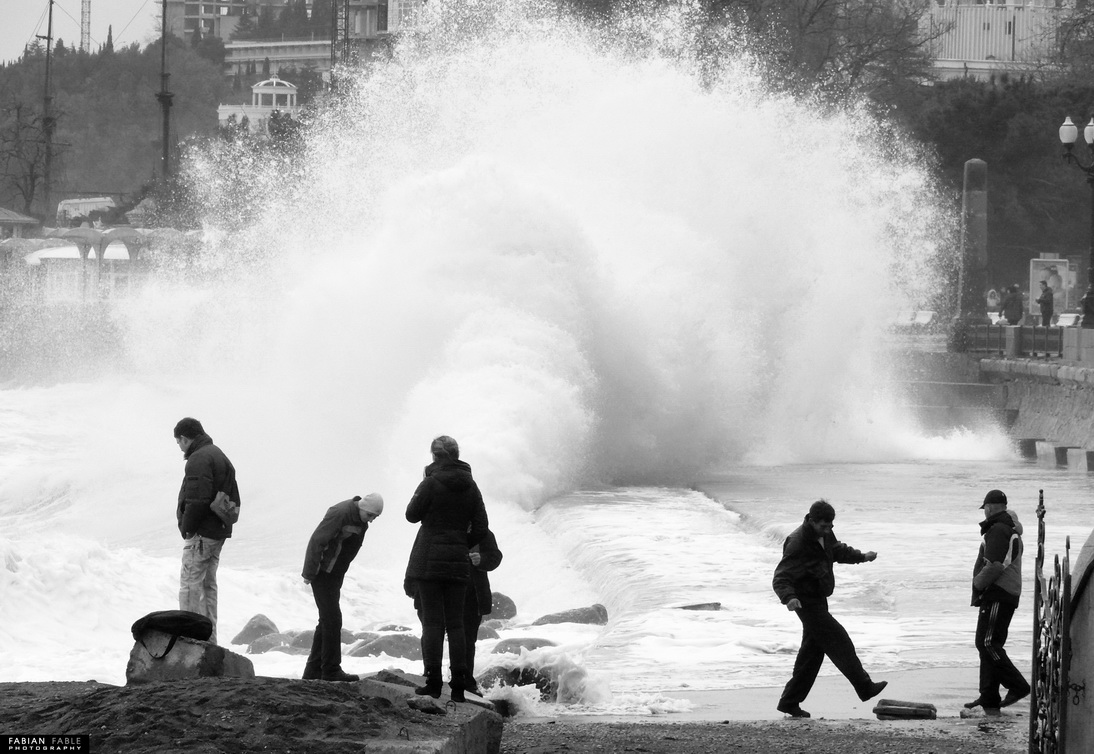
{"points": [[268, 642], [256, 627], [593, 615], [364, 636], [496, 624], [393, 627], [703, 606], [502, 607], [541, 679], [485, 632], [393, 645], [513, 646]]}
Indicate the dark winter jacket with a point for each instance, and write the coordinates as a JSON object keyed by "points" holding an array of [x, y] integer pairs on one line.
{"points": [[1045, 301], [1012, 307], [997, 573], [453, 518], [208, 471], [336, 541], [491, 559], [805, 571]]}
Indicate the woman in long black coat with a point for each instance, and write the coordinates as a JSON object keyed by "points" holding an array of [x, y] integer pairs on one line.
{"points": [[449, 507]]}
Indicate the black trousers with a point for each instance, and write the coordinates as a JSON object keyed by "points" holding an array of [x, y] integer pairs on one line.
{"points": [[822, 635], [472, 619], [992, 627], [326, 646], [442, 613]]}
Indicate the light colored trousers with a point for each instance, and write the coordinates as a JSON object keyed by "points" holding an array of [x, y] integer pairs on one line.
{"points": [[198, 580]]}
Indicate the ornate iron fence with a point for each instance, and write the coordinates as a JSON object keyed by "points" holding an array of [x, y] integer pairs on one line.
{"points": [[1048, 701]]}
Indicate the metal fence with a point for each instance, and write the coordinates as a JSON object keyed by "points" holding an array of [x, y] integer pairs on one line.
{"points": [[1048, 701]]}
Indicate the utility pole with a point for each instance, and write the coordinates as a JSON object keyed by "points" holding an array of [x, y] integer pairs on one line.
{"points": [[48, 122], [85, 26], [164, 96]]}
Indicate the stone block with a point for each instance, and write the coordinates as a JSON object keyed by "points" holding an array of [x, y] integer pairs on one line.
{"points": [[1027, 447], [1080, 459], [188, 658]]}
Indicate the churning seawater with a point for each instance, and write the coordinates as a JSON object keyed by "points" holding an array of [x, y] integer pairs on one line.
{"points": [[612, 271]]}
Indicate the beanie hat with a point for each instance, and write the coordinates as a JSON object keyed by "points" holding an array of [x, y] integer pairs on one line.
{"points": [[995, 497], [371, 503]]}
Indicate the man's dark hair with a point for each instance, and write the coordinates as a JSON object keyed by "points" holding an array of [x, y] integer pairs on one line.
{"points": [[821, 511], [189, 427], [445, 447]]}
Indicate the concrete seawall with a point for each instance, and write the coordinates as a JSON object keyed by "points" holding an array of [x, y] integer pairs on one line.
{"points": [[1046, 405], [1052, 405]]}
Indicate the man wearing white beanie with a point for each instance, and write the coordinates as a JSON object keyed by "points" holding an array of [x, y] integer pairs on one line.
{"points": [[331, 549]]}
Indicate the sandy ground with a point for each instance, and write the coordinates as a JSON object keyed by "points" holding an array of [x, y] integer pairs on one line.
{"points": [[280, 715], [746, 721]]}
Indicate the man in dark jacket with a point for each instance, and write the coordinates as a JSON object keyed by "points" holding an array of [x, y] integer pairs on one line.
{"points": [[332, 547], [804, 581], [453, 518], [996, 589], [479, 601], [208, 471], [1046, 304]]}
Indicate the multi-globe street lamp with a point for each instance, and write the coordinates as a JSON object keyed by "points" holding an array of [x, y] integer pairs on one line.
{"points": [[1069, 134]]}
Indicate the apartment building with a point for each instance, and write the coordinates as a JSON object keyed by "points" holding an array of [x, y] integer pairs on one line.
{"points": [[985, 38]]}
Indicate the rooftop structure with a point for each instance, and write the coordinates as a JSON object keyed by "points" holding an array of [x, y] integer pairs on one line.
{"points": [[267, 97], [983, 38]]}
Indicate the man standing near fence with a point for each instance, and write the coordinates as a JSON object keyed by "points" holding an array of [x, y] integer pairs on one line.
{"points": [[996, 588]]}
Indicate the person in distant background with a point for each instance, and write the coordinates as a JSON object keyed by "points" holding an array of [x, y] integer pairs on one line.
{"points": [[1045, 302], [1012, 305], [478, 601], [208, 471], [996, 589], [803, 581], [332, 547]]}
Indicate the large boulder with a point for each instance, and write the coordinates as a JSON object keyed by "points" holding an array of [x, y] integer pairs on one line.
{"points": [[594, 615], [513, 646], [158, 656], [393, 645], [485, 632], [256, 628], [502, 606]]}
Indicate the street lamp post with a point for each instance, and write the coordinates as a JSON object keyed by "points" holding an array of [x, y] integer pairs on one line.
{"points": [[1069, 134]]}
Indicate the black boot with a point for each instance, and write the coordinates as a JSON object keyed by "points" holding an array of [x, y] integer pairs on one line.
{"points": [[457, 685], [432, 685]]}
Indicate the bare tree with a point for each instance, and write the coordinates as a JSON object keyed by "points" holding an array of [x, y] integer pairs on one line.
{"points": [[22, 153], [839, 46]]}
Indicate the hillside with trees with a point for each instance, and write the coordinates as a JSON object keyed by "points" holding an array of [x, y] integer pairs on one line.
{"points": [[108, 121]]}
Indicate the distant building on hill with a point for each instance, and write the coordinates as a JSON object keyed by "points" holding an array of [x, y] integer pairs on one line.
{"points": [[984, 38], [267, 97], [359, 25], [222, 18]]}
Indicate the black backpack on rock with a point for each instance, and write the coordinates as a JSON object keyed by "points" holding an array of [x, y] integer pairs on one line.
{"points": [[176, 623]]}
